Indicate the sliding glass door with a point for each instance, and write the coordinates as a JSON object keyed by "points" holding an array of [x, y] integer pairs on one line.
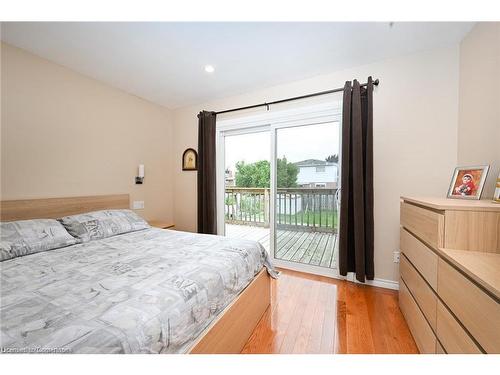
{"points": [[306, 179], [278, 180], [246, 182]]}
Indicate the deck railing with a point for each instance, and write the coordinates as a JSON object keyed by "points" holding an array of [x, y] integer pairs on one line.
{"points": [[313, 209]]}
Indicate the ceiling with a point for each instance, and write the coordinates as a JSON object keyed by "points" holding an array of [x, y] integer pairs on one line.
{"points": [[164, 62]]}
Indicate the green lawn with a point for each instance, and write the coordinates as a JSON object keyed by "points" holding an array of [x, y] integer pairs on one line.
{"points": [[303, 218], [310, 218]]}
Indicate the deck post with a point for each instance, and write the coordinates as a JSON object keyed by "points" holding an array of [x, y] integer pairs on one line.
{"points": [[266, 207]]}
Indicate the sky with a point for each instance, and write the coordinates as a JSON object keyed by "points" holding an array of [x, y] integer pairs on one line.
{"points": [[297, 144]]}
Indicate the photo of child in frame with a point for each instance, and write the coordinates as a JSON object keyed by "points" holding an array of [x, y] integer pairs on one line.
{"points": [[468, 182], [467, 186]]}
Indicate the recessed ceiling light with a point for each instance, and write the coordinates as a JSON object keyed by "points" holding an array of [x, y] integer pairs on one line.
{"points": [[209, 68]]}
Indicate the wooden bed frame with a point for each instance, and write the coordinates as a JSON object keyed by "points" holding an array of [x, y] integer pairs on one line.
{"points": [[228, 333]]}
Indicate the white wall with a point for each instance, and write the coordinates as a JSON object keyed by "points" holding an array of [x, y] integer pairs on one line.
{"points": [[479, 101], [415, 137], [64, 134]]}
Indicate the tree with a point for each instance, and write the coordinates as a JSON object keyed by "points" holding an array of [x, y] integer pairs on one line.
{"points": [[332, 158], [253, 175], [287, 173], [258, 174]]}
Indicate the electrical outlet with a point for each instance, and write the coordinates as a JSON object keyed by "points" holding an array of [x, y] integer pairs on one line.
{"points": [[396, 256], [138, 205]]}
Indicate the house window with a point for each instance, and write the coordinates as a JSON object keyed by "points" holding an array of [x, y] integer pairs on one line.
{"points": [[320, 185], [320, 169]]}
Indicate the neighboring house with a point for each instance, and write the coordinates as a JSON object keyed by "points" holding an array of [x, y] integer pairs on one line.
{"points": [[314, 173], [229, 178]]}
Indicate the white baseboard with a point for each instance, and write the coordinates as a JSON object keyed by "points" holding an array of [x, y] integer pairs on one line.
{"points": [[381, 283], [314, 270], [333, 273]]}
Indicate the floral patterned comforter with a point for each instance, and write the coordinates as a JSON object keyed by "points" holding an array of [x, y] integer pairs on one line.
{"points": [[150, 291]]}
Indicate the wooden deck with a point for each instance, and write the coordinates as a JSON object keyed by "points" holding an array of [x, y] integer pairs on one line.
{"points": [[314, 248]]}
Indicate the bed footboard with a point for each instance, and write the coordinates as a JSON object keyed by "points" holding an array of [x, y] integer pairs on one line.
{"points": [[231, 330]]}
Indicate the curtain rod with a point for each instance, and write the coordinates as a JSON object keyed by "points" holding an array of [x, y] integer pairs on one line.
{"points": [[375, 83]]}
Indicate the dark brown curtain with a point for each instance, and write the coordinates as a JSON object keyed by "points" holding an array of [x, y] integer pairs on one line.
{"points": [[356, 199], [207, 214]]}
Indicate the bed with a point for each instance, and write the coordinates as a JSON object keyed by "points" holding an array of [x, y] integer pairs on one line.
{"points": [[147, 291]]}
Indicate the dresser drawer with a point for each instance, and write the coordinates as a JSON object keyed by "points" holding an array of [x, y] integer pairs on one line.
{"points": [[420, 329], [469, 230], [423, 258], [453, 337], [477, 311], [425, 224], [423, 294]]}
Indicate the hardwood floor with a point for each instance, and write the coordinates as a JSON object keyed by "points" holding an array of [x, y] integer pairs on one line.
{"points": [[314, 314]]}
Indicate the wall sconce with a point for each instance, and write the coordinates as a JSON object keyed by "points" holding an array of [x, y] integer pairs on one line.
{"points": [[140, 176]]}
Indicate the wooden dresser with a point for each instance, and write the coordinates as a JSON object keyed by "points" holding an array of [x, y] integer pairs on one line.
{"points": [[449, 288]]}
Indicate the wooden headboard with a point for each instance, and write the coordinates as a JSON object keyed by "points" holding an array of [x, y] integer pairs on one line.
{"points": [[52, 208]]}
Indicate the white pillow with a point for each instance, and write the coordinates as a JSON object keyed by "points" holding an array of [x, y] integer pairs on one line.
{"points": [[24, 237], [101, 224]]}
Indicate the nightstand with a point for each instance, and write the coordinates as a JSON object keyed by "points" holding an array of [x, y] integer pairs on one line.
{"points": [[161, 224]]}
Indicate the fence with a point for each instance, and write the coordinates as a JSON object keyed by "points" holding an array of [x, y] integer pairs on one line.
{"points": [[313, 209]]}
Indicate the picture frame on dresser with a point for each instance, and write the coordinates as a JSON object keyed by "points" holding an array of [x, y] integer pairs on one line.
{"points": [[468, 182], [496, 195]]}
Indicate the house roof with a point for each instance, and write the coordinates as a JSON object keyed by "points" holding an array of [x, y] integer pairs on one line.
{"points": [[313, 163]]}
